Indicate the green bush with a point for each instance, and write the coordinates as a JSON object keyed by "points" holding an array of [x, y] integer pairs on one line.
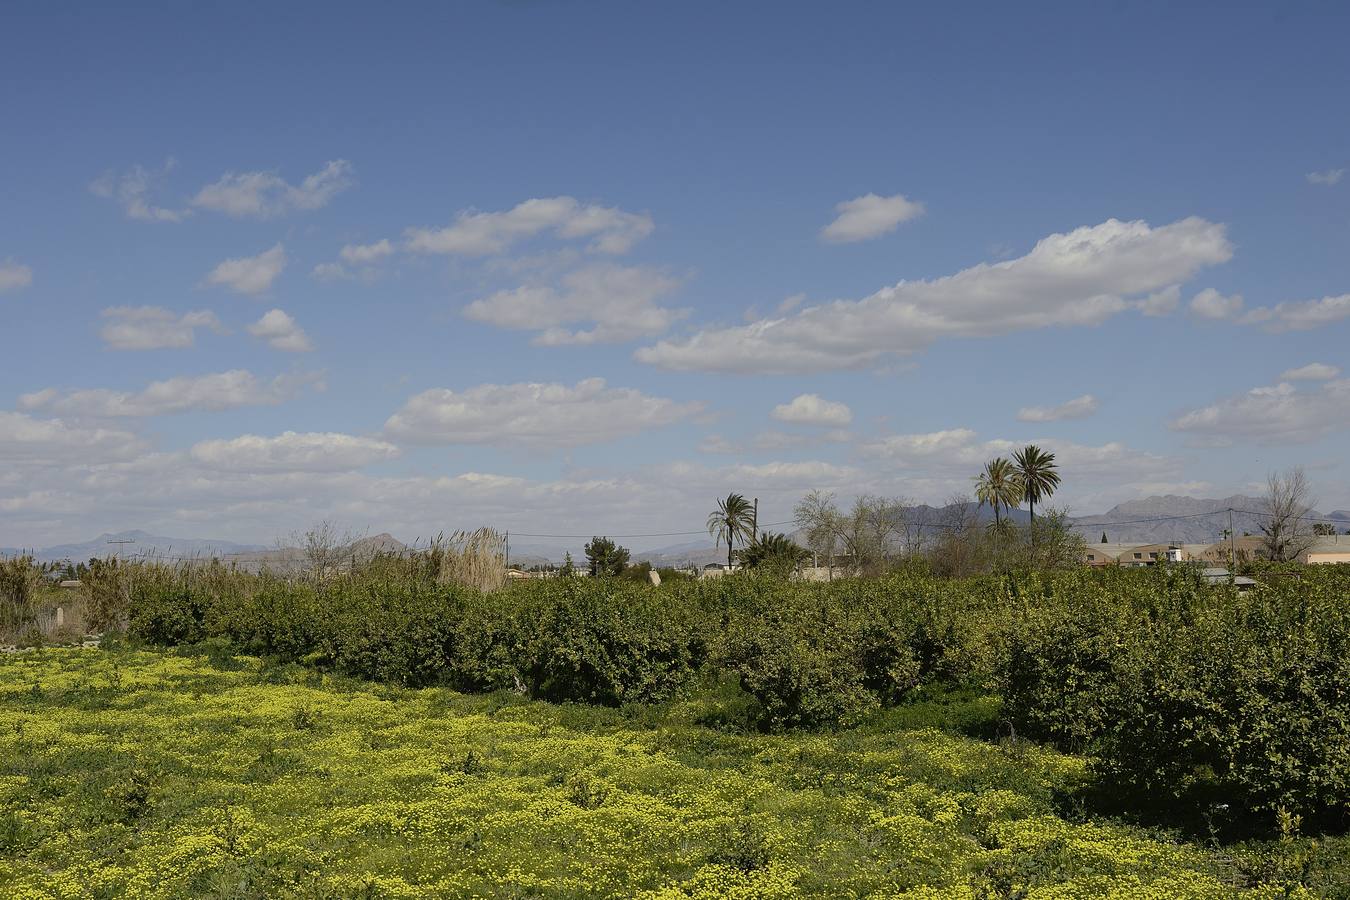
{"points": [[596, 641], [1185, 695], [811, 661], [1247, 708]]}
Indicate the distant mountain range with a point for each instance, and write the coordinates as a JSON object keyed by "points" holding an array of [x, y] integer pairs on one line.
{"points": [[1151, 520], [1158, 520], [133, 544]]}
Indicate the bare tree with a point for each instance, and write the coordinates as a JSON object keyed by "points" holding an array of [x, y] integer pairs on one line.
{"points": [[878, 523], [1285, 529], [869, 533], [957, 549], [817, 516], [323, 548]]}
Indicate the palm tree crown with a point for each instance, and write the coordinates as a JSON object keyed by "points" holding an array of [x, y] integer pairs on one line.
{"points": [[1036, 470], [1000, 486], [732, 521]]}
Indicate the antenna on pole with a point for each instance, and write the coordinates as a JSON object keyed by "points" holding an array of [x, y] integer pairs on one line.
{"points": [[124, 541]]}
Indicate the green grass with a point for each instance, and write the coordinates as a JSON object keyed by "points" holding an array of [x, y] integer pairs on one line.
{"points": [[128, 773]]}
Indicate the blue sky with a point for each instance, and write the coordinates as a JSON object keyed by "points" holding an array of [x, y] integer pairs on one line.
{"points": [[556, 266]]}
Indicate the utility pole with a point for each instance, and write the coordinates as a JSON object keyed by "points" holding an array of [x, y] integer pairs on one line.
{"points": [[507, 536], [126, 541], [754, 523], [1232, 547]]}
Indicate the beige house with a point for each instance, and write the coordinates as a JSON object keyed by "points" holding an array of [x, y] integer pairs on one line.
{"points": [[1245, 549], [1105, 554], [1325, 549], [1134, 555]]}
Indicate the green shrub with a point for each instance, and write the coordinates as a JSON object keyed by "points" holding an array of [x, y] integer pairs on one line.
{"points": [[1247, 707], [596, 641]]}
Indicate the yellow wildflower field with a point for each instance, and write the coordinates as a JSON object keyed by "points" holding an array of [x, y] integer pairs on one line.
{"points": [[128, 773]]}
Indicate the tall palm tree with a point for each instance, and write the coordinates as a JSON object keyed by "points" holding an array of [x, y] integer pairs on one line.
{"points": [[732, 521], [1036, 470], [1000, 486]]}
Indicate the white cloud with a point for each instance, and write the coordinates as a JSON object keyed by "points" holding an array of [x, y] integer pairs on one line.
{"points": [[262, 195], [532, 415], [133, 189], [811, 409], [330, 272], [773, 441], [1077, 408], [1210, 304], [610, 229], [154, 328], [1311, 372], [25, 439], [1279, 414], [250, 274], [803, 476], [1329, 177], [1162, 303], [1301, 315], [217, 391], [619, 302], [364, 254], [14, 275], [1081, 278], [960, 450], [716, 443], [292, 452], [1172, 488], [869, 216], [281, 332]]}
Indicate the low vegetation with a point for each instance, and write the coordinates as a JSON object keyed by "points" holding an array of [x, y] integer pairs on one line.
{"points": [[208, 774], [1142, 732]]}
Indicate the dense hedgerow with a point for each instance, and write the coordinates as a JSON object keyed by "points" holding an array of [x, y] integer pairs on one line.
{"points": [[1186, 696]]}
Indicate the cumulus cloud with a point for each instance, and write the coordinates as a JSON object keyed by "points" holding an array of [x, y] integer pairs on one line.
{"points": [[1162, 303], [364, 254], [213, 392], [154, 328], [250, 274], [619, 303], [1077, 408], [1081, 278], [532, 415], [25, 439], [1210, 304], [1311, 372], [961, 450], [262, 195], [610, 230], [133, 190], [281, 332], [811, 409], [363, 257], [14, 275], [869, 216], [292, 452], [1278, 414], [1329, 177], [1300, 315]]}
